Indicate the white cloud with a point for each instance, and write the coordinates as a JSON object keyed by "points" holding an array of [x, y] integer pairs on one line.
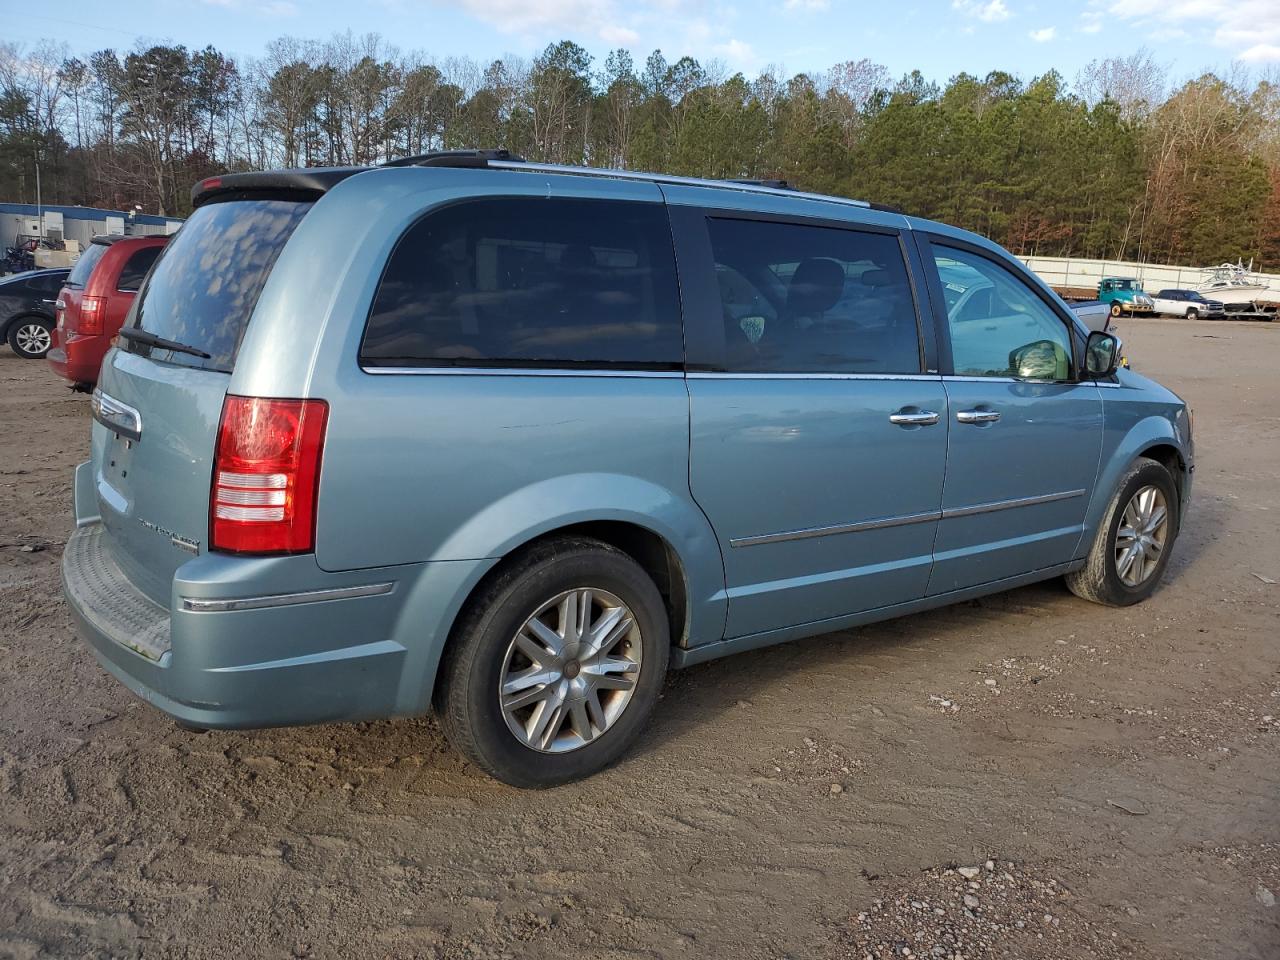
{"points": [[810, 5], [618, 35], [1090, 22], [1262, 53], [668, 24], [738, 53], [1044, 34], [545, 16], [1245, 29], [990, 11]]}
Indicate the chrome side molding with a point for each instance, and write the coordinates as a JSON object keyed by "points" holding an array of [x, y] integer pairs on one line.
{"points": [[118, 417], [202, 605], [905, 519], [805, 534]]}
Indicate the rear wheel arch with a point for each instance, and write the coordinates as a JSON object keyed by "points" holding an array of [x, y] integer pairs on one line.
{"points": [[649, 549]]}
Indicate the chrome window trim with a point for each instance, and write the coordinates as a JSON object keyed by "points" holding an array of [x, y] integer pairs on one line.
{"points": [[518, 372], [904, 520], [203, 605], [764, 375], [957, 378]]}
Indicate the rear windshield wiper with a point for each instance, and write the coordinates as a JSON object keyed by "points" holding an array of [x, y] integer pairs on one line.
{"points": [[151, 340]]}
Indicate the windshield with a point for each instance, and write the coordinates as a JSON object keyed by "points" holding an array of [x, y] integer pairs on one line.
{"points": [[205, 285], [84, 266]]}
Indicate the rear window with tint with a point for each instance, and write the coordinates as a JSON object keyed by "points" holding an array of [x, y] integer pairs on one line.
{"points": [[530, 282], [207, 281], [84, 266], [135, 268]]}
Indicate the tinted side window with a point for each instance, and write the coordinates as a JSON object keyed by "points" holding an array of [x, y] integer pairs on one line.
{"points": [[804, 299], [516, 281], [136, 267], [999, 326]]}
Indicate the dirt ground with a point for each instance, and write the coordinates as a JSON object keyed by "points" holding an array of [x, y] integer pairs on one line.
{"points": [[1025, 776]]}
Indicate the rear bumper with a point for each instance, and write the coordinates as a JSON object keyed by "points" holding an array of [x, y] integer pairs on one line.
{"points": [[79, 359], [294, 656]]}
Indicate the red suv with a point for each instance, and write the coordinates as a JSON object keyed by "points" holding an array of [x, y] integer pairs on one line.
{"points": [[92, 306]]}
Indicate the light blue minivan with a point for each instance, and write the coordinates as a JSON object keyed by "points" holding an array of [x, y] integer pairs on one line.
{"points": [[509, 440]]}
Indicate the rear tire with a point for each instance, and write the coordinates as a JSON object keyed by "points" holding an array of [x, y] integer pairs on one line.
{"points": [[527, 692], [30, 337], [1131, 548]]}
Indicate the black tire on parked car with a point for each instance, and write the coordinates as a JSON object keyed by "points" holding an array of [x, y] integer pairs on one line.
{"points": [[30, 337], [1193, 314], [530, 714], [1115, 308], [1134, 539]]}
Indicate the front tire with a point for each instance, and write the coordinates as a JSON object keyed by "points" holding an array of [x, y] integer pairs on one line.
{"points": [[1193, 314], [30, 337], [1134, 541], [1115, 308], [555, 666]]}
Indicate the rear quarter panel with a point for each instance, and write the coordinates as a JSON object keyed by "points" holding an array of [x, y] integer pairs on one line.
{"points": [[464, 466]]}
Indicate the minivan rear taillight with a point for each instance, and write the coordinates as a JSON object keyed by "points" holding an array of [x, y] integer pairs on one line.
{"points": [[90, 319], [266, 472]]}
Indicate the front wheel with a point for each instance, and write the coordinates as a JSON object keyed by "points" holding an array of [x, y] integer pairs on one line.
{"points": [[1115, 308], [1134, 540], [30, 338], [556, 665], [1193, 314]]}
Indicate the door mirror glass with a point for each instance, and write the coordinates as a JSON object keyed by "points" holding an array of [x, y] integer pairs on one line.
{"points": [[1041, 360], [1101, 355]]}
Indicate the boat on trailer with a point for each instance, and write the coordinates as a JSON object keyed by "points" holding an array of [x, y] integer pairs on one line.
{"points": [[1235, 285]]}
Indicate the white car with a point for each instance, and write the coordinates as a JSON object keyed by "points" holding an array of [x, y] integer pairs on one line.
{"points": [[1186, 303]]}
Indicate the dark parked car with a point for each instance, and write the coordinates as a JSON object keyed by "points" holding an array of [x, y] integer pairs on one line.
{"points": [[26, 310], [94, 301]]}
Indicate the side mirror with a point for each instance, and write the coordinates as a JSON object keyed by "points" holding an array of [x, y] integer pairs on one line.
{"points": [[1101, 355]]}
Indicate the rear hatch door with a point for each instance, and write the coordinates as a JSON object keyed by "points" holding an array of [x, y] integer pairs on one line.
{"points": [[158, 407]]}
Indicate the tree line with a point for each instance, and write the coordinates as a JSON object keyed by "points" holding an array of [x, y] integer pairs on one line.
{"points": [[1116, 164]]}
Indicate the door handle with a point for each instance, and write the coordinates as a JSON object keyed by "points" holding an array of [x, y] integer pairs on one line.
{"points": [[977, 416], [920, 418]]}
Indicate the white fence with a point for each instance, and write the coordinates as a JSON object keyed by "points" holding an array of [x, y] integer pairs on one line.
{"points": [[1071, 272]]}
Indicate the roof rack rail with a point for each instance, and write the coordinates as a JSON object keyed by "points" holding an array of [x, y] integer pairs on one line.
{"points": [[770, 183], [455, 158], [885, 207]]}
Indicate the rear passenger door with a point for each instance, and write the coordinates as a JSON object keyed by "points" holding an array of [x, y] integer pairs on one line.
{"points": [[818, 437]]}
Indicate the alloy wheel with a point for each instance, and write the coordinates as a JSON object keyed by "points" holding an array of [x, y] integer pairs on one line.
{"points": [[33, 338], [570, 671], [1141, 536]]}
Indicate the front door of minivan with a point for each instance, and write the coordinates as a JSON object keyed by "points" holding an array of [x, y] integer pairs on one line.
{"points": [[1025, 434], [818, 441]]}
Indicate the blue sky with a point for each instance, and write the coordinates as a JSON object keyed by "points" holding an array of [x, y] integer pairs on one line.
{"points": [[939, 37]]}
